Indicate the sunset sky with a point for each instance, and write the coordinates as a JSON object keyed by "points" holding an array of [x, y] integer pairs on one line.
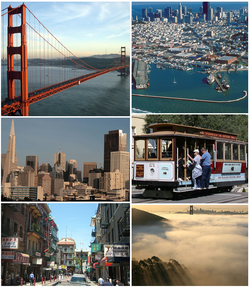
{"points": [[85, 28]]}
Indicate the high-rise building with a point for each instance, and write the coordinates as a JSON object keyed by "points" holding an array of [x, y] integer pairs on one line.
{"points": [[229, 17], [10, 162], [46, 167], [120, 161], [220, 12], [184, 10], [60, 160], [180, 13], [210, 14], [206, 5], [94, 176], [87, 166], [32, 161], [144, 13], [114, 141]]}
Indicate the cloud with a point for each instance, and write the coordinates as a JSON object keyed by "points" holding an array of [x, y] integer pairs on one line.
{"points": [[213, 246], [113, 36]]}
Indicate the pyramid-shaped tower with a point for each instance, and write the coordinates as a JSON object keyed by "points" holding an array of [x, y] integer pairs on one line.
{"points": [[11, 159]]}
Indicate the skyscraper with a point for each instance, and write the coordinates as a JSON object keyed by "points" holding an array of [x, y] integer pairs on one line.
{"points": [[210, 14], [60, 160], [120, 161], [180, 13], [87, 166], [144, 13], [114, 141], [10, 162], [32, 161], [206, 5]]}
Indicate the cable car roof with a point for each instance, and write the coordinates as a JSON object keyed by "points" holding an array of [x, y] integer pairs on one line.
{"points": [[170, 129]]}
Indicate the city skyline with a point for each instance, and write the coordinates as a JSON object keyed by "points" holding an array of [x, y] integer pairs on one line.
{"points": [[195, 5], [180, 207], [107, 24], [81, 139]]}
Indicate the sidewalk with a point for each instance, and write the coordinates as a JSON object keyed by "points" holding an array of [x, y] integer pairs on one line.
{"points": [[48, 283]]}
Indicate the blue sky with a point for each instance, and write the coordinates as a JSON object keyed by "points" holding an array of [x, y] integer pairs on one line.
{"points": [[81, 139], [85, 28], [76, 217]]}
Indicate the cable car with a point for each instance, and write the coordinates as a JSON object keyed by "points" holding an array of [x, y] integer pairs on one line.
{"points": [[157, 159]]}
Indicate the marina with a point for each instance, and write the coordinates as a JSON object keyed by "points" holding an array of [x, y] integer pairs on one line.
{"points": [[192, 84]]}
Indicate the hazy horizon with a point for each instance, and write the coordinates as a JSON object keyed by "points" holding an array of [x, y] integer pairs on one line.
{"points": [[214, 248]]}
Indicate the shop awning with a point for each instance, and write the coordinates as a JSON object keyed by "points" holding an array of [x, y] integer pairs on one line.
{"points": [[22, 258], [104, 262]]}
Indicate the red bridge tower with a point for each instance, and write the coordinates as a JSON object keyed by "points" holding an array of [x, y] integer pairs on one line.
{"points": [[12, 74]]}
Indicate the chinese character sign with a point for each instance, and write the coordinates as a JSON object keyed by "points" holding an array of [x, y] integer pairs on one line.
{"points": [[10, 242], [95, 247]]}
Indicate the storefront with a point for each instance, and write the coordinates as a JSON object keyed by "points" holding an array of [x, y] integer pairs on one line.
{"points": [[117, 259], [14, 266], [36, 268]]}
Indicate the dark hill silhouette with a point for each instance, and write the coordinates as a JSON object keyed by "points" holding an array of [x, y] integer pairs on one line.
{"points": [[140, 217], [154, 272]]}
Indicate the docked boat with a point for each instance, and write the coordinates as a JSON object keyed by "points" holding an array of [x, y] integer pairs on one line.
{"points": [[210, 79], [225, 84], [219, 76]]}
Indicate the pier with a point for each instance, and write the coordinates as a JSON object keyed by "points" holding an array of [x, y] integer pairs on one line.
{"points": [[219, 83]]}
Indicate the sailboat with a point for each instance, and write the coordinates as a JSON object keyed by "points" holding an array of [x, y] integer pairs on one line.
{"points": [[174, 81]]}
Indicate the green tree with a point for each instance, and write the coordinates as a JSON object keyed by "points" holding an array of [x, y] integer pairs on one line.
{"points": [[237, 124]]}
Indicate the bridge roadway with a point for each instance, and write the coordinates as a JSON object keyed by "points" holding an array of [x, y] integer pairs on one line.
{"points": [[11, 106]]}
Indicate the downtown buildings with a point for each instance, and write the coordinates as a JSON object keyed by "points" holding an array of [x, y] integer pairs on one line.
{"points": [[62, 181]]}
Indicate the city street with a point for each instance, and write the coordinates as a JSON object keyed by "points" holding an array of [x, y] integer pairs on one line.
{"points": [[226, 197], [58, 282]]}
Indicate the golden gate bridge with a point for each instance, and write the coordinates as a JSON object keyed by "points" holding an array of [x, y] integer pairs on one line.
{"points": [[29, 42]]}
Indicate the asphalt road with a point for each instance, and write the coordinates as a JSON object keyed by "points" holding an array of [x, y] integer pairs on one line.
{"points": [[226, 197]]}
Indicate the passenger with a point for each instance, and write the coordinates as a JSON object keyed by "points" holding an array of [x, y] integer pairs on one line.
{"points": [[205, 163], [197, 169], [180, 168]]}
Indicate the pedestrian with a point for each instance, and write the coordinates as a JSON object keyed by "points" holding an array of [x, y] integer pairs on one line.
{"points": [[197, 169], [100, 281], [205, 163], [107, 283], [31, 278], [119, 283], [25, 277]]}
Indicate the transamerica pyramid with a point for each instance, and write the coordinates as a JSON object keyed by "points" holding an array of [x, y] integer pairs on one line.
{"points": [[11, 159]]}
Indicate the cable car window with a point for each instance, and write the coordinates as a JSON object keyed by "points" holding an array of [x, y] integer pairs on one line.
{"points": [[210, 150], [242, 152], [219, 150], [166, 148], [140, 149], [152, 148], [228, 150], [235, 152]]}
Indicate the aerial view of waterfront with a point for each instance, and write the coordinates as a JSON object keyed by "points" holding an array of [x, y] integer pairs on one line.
{"points": [[190, 51]]}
